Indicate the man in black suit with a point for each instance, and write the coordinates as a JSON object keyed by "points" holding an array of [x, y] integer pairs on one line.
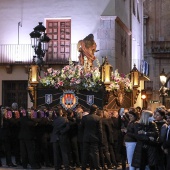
{"points": [[59, 138], [27, 140], [92, 138]]}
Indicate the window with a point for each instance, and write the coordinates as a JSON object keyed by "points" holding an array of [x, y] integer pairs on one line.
{"points": [[59, 48], [14, 91]]}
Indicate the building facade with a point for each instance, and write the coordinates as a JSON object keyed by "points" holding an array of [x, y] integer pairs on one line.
{"points": [[157, 47], [117, 27]]}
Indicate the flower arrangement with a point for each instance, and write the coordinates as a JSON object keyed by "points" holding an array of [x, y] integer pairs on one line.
{"points": [[120, 81], [73, 77], [79, 78]]}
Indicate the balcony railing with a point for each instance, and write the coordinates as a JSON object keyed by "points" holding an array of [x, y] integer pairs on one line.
{"points": [[23, 54], [160, 47]]}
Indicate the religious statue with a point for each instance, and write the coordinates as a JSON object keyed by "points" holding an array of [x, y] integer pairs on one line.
{"points": [[87, 48]]}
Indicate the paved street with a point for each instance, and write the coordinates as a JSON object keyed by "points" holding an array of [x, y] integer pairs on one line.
{"points": [[20, 167]]}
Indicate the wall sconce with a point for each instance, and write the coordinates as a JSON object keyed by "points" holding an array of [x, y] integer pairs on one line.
{"points": [[106, 71], [135, 77]]}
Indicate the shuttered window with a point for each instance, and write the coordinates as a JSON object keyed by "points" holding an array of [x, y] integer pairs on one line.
{"points": [[59, 48]]}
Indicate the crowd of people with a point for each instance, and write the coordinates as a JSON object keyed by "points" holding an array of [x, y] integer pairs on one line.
{"points": [[85, 138]]}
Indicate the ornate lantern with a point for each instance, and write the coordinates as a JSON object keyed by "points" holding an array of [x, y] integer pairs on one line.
{"points": [[33, 81], [33, 75], [135, 77]]}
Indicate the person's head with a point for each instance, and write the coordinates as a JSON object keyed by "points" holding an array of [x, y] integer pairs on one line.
{"points": [[59, 112], [132, 109], [85, 112], [105, 114], [17, 115], [144, 119], [14, 106], [93, 109], [7, 113], [38, 114], [23, 112], [70, 113], [79, 113], [133, 116], [168, 117], [159, 115], [33, 114], [162, 107], [138, 109], [79, 110], [100, 113]]}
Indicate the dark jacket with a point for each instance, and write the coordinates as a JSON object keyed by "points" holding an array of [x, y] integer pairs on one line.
{"points": [[60, 129], [92, 128], [162, 127], [130, 134], [73, 127], [145, 144], [27, 128], [79, 130], [6, 129], [166, 143], [115, 128], [106, 132]]}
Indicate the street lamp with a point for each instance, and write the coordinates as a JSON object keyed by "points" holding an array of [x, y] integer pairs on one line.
{"points": [[163, 77], [39, 41], [163, 89]]}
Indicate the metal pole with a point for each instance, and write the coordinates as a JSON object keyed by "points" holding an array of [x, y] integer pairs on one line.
{"points": [[19, 25], [18, 32]]}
